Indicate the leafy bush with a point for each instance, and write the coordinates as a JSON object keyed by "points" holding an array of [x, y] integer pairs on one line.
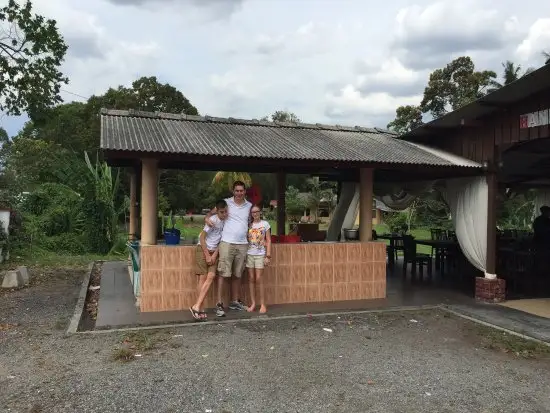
{"points": [[397, 222], [68, 243], [57, 207], [269, 215]]}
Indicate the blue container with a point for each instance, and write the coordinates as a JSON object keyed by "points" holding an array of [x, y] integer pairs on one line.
{"points": [[172, 236]]}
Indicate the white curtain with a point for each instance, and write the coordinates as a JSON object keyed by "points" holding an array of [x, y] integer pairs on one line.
{"points": [[543, 198], [468, 201]]}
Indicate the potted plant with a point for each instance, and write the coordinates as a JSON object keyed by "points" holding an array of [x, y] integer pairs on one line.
{"points": [[172, 234]]}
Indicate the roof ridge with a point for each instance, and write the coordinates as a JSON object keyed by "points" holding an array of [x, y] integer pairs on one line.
{"points": [[239, 121]]}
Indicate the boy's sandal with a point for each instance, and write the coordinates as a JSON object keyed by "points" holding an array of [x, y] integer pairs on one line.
{"points": [[196, 314]]}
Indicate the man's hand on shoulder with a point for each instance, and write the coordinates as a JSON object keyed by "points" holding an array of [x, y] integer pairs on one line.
{"points": [[207, 219]]}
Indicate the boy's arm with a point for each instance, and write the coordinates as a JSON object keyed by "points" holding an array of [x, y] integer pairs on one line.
{"points": [[202, 238], [216, 252]]}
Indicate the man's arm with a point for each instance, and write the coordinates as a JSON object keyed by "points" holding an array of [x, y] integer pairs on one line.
{"points": [[207, 220]]}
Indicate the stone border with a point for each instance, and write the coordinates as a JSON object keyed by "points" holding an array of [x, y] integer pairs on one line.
{"points": [[490, 325], [263, 319], [81, 302]]}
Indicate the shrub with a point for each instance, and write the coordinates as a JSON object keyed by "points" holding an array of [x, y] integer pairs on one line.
{"points": [[397, 222], [64, 243]]}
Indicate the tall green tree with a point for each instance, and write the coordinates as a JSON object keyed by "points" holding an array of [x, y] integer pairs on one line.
{"points": [[449, 88], [407, 118], [31, 51], [454, 86], [510, 73], [282, 116]]}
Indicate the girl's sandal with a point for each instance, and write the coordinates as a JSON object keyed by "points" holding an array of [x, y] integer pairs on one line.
{"points": [[196, 314], [203, 316]]}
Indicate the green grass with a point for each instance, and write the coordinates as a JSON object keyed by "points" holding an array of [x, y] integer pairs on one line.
{"points": [[418, 233], [41, 258]]}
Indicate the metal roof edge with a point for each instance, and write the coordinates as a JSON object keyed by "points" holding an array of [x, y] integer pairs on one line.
{"points": [[238, 121]]}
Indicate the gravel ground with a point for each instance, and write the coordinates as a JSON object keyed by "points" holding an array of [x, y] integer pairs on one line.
{"points": [[375, 363]]}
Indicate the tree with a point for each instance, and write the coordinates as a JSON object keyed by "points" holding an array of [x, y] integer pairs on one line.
{"points": [[283, 116], [449, 88], [224, 180], [407, 118], [146, 94], [511, 72], [546, 56], [454, 86], [31, 51], [319, 191]]}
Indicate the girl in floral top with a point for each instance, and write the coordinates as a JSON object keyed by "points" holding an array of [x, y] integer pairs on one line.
{"points": [[259, 255]]}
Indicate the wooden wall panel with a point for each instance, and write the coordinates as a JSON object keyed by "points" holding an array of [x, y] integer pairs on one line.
{"points": [[499, 129]]}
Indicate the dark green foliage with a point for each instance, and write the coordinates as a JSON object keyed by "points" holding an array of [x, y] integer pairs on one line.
{"points": [[98, 230], [31, 51], [396, 221], [68, 243]]}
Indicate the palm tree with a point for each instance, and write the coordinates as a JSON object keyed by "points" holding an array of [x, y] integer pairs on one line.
{"points": [[511, 73], [547, 57], [223, 179]]}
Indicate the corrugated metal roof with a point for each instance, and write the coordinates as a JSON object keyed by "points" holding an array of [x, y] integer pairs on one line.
{"points": [[493, 102], [195, 135]]}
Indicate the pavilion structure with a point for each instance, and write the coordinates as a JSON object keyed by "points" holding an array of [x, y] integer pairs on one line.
{"points": [[145, 142]]}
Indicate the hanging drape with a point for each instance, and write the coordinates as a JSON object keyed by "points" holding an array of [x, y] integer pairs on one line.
{"points": [[468, 201], [400, 197]]}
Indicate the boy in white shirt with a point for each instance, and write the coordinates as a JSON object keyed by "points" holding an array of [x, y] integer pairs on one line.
{"points": [[207, 253]]}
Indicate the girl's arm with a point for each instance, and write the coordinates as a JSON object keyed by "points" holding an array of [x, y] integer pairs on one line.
{"points": [[268, 244]]}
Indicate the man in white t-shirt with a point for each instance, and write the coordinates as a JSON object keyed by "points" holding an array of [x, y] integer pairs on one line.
{"points": [[233, 246]]}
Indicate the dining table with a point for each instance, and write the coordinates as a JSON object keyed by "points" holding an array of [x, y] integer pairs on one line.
{"points": [[439, 245]]}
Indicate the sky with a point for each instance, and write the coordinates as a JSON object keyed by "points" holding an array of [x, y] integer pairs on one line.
{"points": [[347, 62]]}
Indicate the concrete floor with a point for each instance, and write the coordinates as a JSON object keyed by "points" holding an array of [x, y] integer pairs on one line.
{"points": [[116, 303]]}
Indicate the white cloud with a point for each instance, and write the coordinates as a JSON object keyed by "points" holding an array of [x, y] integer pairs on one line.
{"points": [[431, 34], [537, 40], [345, 62], [350, 101]]}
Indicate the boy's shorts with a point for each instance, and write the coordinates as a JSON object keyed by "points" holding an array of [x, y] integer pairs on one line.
{"points": [[255, 261], [202, 267], [232, 259]]}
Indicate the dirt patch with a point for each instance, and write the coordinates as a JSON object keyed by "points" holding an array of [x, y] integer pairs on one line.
{"points": [[89, 315]]}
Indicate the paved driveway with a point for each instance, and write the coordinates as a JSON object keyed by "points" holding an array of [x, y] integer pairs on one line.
{"points": [[396, 362]]}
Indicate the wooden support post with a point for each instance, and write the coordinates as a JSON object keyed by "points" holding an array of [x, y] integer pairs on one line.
{"points": [[138, 201], [132, 230], [149, 201], [281, 203], [365, 204]]}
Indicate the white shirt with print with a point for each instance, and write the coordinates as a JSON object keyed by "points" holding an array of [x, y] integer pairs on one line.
{"points": [[236, 223], [256, 237], [213, 233]]}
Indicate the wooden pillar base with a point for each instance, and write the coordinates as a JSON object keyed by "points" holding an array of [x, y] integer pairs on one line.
{"points": [[490, 291]]}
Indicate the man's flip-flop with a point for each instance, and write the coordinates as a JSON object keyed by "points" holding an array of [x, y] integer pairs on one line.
{"points": [[195, 314]]}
